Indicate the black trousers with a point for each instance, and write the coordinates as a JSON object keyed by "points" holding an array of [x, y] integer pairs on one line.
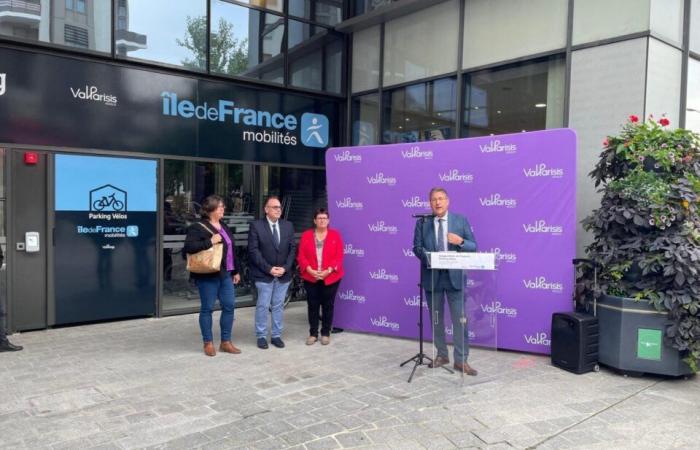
{"points": [[320, 297]]}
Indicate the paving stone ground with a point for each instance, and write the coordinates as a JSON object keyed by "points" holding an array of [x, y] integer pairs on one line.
{"points": [[146, 384]]}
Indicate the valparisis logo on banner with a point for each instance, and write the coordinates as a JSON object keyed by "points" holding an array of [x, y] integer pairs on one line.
{"points": [[455, 175], [379, 178], [497, 308], [495, 146], [408, 252], [541, 170], [383, 322], [504, 256], [348, 203], [538, 339], [346, 156], [348, 249], [415, 202], [495, 200], [382, 227], [383, 275], [540, 226], [541, 283], [414, 301], [350, 296], [416, 152]]}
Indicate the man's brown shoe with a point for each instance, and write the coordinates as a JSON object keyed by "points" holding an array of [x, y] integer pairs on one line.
{"points": [[465, 368], [209, 349], [439, 362], [228, 347]]}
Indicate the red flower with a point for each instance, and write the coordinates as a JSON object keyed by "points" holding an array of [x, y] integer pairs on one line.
{"points": [[605, 142], [634, 119], [664, 122]]}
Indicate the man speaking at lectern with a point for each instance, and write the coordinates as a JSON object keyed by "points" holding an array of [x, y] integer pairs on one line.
{"points": [[445, 231]]}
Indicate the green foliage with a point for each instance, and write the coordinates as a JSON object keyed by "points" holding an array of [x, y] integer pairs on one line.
{"points": [[647, 230], [228, 55]]}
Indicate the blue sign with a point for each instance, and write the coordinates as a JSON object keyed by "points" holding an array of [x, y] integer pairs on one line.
{"points": [[314, 130]]}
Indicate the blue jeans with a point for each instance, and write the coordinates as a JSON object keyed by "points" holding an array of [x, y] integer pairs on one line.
{"points": [[270, 294], [209, 290], [436, 305]]}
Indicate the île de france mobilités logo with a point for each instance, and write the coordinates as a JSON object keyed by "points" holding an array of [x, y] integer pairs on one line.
{"points": [[314, 130]]}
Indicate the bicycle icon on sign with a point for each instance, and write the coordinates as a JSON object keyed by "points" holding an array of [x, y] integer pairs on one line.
{"points": [[107, 202], [107, 198]]}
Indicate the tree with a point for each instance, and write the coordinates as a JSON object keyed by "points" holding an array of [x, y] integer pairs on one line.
{"points": [[228, 54]]}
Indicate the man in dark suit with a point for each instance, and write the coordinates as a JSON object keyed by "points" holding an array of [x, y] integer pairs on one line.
{"points": [[5, 345], [271, 252], [445, 232]]}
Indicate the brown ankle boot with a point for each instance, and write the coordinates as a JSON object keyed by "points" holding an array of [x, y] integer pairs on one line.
{"points": [[228, 347], [209, 349]]}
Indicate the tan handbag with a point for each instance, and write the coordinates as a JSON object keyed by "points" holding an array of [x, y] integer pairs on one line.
{"points": [[206, 261]]}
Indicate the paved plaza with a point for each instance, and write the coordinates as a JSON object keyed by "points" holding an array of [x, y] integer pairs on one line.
{"points": [[145, 383]]}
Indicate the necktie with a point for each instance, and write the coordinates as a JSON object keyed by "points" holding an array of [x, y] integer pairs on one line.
{"points": [[441, 237], [275, 235]]}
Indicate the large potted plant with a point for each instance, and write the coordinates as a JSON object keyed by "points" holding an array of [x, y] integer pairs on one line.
{"points": [[646, 240]]}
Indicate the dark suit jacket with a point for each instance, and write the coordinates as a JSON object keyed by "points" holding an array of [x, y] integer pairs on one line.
{"points": [[263, 254], [424, 241]]}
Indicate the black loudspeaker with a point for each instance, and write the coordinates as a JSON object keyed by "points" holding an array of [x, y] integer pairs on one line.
{"points": [[575, 342]]}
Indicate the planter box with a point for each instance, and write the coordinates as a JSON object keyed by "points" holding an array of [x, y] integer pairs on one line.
{"points": [[631, 338]]}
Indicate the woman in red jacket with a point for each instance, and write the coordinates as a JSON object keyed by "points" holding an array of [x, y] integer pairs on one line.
{"points": [[320, 260]]}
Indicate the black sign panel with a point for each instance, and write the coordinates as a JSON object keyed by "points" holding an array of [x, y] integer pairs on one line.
{"points": [[56, 101]]}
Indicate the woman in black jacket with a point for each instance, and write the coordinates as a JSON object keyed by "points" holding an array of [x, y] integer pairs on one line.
{"points": [[201, 236]]}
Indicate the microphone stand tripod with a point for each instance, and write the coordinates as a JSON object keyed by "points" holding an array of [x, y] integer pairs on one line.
{"points": [[420, 357]]}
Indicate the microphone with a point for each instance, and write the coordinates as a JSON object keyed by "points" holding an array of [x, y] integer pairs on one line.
{"points": [[423, 216]]}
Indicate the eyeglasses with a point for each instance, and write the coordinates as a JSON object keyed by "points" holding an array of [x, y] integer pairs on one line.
{"points": [[274, 207], [321, 218]]}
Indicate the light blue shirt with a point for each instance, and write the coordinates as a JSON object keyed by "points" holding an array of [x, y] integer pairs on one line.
{"points": [[436, 222]]}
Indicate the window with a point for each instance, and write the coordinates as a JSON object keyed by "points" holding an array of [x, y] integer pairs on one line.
{"points": [[309, 48], [365, 6], [414, 49], [692, 111], [522, 97], [601, 19], [275, 5], [165, 31], [76, 25], [420, 112], [516, 34], [365, 59], [76, 36], [327, 12], [695, 26], [186, 185], [246, 42], [365, 119]]}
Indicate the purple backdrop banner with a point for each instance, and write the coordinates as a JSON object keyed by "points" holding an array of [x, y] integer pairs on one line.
{"points": [[518, 192]]}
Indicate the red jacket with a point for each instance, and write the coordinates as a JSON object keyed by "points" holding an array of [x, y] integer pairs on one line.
{"points": [[332, 255]]}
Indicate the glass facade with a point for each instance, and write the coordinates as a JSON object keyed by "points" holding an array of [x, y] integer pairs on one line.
{"points": [[314, 51], [692, 109], [165, 31], [365, 120], [523, 97], [327, 12], [695, 26], [513, 38], [79, 24], [365, 59], [246, 42], [420, 112], [243, 187], [602, 19], [414, 50]]}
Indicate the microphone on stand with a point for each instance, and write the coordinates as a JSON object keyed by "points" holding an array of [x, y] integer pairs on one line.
{"points": [[423, 216]]}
